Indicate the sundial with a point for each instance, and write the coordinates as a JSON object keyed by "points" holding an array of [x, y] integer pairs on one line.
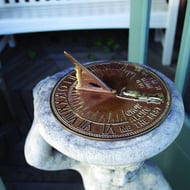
{"points": [[110, 101]]}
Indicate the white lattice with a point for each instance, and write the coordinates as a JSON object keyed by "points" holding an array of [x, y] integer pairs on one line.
{"points": [[9, 3], [22, 16]]}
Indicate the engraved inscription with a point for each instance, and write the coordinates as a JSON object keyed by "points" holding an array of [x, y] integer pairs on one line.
{"points": [[133, 110], [125, 129], [148, 83], [154, 113], [140, 114], [141, 123]]}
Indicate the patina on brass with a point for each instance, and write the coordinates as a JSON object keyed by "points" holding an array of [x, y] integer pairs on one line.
{"points": [[110, 100]]}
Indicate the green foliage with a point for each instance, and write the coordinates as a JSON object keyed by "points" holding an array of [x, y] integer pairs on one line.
{"points": [[32, 54], [99, 42], [91, 57], [108, 45]]}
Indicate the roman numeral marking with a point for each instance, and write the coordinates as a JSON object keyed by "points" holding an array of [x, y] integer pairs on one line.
{"points": [[86, 126], [108, 129], [72, 77], [70, 117]]}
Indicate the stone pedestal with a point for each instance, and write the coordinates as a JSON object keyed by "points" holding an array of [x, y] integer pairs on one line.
{"points": [[103, 165]]}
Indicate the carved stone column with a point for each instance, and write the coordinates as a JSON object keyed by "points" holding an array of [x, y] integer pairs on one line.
{"points": [[103, 165]]}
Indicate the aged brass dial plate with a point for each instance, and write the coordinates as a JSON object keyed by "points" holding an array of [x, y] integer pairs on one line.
{"points": [[140, 102]]}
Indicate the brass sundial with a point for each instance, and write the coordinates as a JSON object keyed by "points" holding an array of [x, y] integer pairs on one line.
{"points": [[110, 100]]}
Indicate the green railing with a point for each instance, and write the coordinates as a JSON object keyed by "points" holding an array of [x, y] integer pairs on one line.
{"points": [[138, 40], [139, 30], [183, 64]]}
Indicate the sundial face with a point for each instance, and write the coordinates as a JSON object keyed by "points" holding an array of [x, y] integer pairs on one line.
{"points": [[139, 100]]}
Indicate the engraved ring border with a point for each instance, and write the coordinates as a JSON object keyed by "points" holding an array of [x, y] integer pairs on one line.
{"points": [[115, 136]]}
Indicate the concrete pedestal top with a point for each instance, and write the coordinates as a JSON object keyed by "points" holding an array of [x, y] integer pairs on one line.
{"points": [[105, 153], [46, 135]]}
